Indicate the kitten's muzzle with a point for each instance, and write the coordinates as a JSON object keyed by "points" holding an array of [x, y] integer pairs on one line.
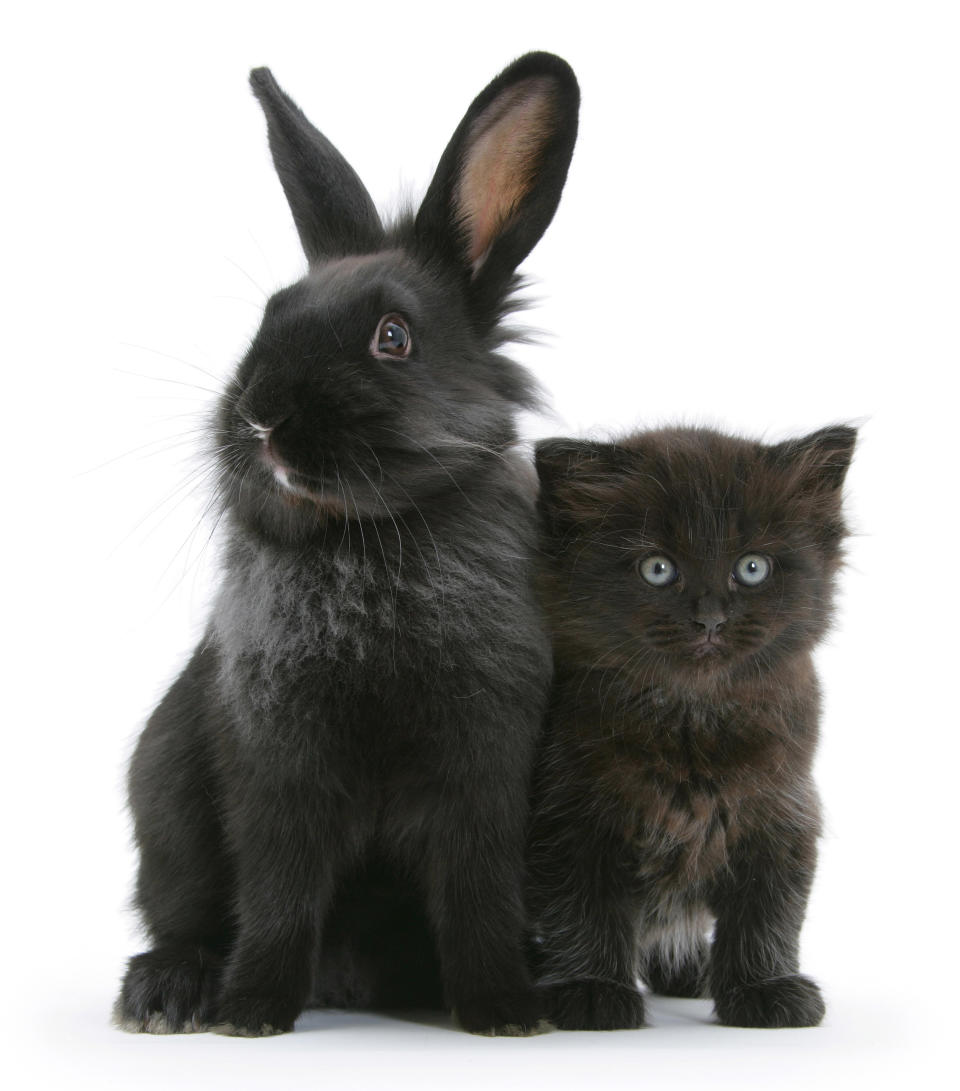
{"points": [[710, 616]]}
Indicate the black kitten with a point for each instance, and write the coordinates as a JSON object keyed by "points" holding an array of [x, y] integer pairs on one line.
{"points": [[331, 802], [688, 575]]}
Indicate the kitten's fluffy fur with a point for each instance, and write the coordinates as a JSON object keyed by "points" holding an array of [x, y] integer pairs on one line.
{"points": [[675, 787]]}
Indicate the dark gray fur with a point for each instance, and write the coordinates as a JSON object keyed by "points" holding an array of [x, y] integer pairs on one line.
{"points": [[331, 801]]}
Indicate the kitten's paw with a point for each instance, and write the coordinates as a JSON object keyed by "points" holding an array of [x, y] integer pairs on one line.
{"points": [[668, 977], [791, 1001], [594, 1005], [169, 990], [507, 1015], [254, 1016]]}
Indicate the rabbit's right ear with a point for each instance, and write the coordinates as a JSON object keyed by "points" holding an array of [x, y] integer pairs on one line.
{"points": [[499, 181], [331, 207]]}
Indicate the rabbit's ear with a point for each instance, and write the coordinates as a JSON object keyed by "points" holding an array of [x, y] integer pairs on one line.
{"points": [[333, 212], [499, 181]]}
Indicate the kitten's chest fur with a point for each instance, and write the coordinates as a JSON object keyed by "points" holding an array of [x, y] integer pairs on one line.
{"points": [[689, 778]]}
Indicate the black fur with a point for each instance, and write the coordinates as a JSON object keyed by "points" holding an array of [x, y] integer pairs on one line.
{"points": [[674, 790], [331, 802]]}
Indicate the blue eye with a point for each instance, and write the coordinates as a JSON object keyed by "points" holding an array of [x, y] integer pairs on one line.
{"points": [[752, 569], [658, 571]]}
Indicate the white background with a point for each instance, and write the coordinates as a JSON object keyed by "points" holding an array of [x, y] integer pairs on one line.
{"points": [[760, 230]]}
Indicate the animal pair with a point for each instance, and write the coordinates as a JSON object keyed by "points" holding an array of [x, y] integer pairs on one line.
{"points": [[331, 803]]}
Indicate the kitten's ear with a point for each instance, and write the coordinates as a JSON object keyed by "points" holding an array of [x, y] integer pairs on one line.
{"points": [[575, 476], [499, 180], [557, 459], [562, 460], [821, 459]]}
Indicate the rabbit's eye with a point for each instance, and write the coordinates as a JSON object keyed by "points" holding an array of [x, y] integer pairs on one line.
{"points": [[392, 337]]}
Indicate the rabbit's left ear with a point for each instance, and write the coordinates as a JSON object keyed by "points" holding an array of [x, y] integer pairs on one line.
{"points": [[331, 207], [499, 181]]}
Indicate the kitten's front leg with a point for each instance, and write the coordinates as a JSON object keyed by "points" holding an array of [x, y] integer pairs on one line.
{"points": [[291, 842], [584, 918], [760, 906]]}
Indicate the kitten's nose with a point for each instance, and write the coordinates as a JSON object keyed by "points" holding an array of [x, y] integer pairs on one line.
{"points": [[710, 614]]}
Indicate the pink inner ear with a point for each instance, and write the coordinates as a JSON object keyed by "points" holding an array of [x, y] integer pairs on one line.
{"points": [[500, 165]]}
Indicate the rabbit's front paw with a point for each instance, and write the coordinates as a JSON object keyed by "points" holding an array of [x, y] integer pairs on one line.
{"points": [[510, 1014], [169, 990], [248, 1016]]}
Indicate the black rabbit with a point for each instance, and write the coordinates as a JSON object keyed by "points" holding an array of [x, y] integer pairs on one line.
{"points": [[331, 801]]}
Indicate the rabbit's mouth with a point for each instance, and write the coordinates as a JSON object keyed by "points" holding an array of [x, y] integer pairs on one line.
{"points": [[294, 488], [294, 492]]}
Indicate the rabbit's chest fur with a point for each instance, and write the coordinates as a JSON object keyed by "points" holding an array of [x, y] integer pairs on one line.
{"points": [[353, 640], [287, 616]]}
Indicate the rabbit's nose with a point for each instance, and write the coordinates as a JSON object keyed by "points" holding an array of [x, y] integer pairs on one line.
{"points": [[259, 430], [261, 421]]}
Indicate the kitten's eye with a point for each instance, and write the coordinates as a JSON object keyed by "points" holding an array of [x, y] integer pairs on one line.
{"points": [[392, 338], [751, 569], [658, 571]]}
